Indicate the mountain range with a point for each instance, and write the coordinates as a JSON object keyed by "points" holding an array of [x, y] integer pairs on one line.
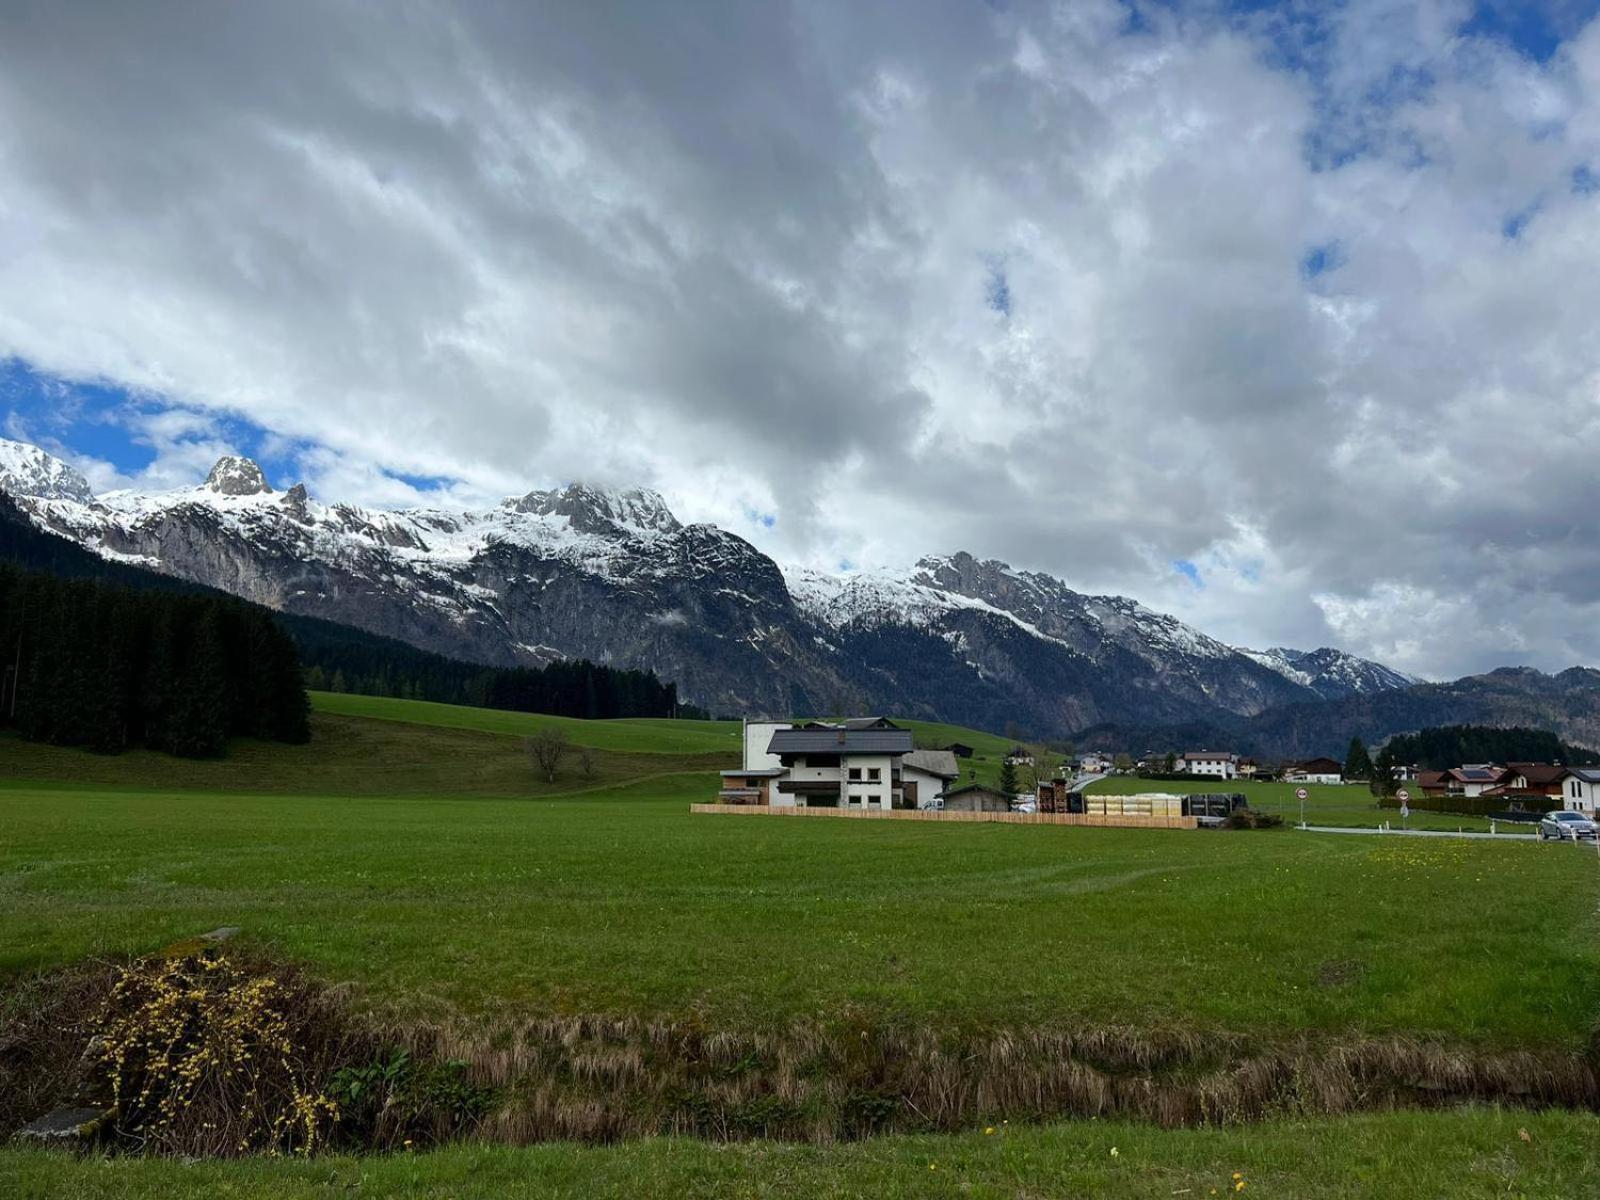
{"points": [[613, 576]]}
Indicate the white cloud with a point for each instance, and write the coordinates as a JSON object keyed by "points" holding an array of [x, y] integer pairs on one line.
{"points": [[748, 256]]}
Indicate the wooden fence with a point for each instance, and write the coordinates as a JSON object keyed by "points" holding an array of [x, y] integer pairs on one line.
{"points": [[1097, 820]]}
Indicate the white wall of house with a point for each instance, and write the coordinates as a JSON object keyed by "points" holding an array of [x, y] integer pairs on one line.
{"points": [[1219, 768], [1579, 795], [928, 786], [871, 780], [1302, 777], [757, 737]]}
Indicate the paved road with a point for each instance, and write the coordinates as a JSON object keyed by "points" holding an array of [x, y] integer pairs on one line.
{"points": [[1499, 836]]}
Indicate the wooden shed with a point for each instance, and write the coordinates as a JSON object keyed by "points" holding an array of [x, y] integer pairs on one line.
{"points": [[974, 797]]}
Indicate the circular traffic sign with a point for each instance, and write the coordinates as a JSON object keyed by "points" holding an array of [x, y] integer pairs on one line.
{"points": [[1300, 793], [1402, 795]]}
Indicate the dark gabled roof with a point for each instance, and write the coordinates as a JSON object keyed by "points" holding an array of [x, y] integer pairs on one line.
{"points": [[1587, 774], [1477, 774], [973, 787], [1313, 766], [841, 741], [1538, 773]]}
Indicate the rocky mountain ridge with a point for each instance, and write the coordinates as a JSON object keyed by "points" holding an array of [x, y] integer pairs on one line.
{"points": [[613, 576]]}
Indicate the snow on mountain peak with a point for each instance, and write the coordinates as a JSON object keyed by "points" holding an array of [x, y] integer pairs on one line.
{"points": [[28, 471], [236, 476], [592, 509]]}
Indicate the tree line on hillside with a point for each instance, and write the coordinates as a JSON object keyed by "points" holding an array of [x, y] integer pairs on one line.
{"points": [[342, 658], [567, 689], [85, 663], [1446, 746]]}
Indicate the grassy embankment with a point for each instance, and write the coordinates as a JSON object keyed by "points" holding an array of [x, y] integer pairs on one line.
{"points": [[1459, 1155]]}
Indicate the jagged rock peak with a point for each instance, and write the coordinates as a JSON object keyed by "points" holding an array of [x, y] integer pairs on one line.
{"points": [[236, 476], [602, 510], [28, 471]]}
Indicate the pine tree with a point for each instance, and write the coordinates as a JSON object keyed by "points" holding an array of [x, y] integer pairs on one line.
{"points": [[1008, 777], [1357, 765], [1383, 773]]}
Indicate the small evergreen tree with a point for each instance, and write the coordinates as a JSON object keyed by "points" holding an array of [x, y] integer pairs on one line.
{"points": [[1357, 765], [1383, 773], [1008, 777]]}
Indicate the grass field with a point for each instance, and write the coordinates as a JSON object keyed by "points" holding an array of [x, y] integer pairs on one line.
{"points": [[411, 852], [1439, 1156], [621, 900], [643, 735]]}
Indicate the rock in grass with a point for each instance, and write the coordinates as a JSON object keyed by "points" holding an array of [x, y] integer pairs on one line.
{"points": [[65, 1125]]}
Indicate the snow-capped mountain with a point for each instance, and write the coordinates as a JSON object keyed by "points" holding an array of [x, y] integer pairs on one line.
{"points": [[1332, 674], [613, 576]]}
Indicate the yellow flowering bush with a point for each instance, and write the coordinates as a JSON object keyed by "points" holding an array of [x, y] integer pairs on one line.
{"points": [[204, 1055]]}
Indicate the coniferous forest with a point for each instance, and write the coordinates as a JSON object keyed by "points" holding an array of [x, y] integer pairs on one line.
{"points": [[340, 658], [86, 663]]}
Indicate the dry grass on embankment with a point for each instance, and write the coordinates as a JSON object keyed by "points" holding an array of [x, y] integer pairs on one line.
{"points": [[594, 1079]]}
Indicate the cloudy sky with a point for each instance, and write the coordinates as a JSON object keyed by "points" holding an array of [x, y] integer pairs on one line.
{"points": [[1283, 318]]}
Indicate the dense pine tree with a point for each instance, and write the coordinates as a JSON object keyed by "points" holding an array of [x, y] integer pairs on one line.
{"points": [[1357, 762], [90, 664]]}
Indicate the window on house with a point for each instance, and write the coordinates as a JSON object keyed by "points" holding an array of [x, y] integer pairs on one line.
{"points": [[874, 774], [874, 798], [855, 774]]}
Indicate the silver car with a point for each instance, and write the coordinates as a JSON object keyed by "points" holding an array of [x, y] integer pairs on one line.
{"points": [[1567, 825]]}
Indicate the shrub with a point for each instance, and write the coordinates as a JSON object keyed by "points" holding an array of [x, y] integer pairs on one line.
{"points": [[1249, 818], [205, 1055], [394, 1101]]}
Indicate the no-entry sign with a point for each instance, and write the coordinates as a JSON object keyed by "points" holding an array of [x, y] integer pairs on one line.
{"points": [[1300, 793]]}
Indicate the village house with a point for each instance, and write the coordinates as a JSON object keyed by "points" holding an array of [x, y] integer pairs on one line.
{"points": [[866, 762], [1248, 768], [1474, 779], [1217, 764], [1580, 789], [1019, 756], [1314, 770]]}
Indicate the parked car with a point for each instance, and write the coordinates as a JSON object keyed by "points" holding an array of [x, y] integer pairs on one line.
{"points": [[1567, 825], [1025, 804], [932, 804]]}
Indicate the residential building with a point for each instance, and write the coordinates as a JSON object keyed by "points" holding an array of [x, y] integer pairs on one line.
{"points": [[1474, 779], [1217, 764], [866, 762], [1314, 770], [1248, 768], [1580, 789], [1019, 756], [960, 749]]}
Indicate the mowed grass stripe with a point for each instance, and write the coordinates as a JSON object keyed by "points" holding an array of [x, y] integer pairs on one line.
{"points": [[1462, 1154], [621, 901]]}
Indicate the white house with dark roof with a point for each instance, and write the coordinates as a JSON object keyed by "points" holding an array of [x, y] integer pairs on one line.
{"points": [[1215, 763], [1580, 789], [865, 762]]}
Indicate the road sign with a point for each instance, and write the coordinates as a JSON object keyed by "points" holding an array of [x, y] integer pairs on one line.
{"points": [[1300, 793], [1402, 795]]}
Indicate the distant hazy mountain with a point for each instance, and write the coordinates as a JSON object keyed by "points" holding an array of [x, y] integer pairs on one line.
{"points": [[613, 576]]}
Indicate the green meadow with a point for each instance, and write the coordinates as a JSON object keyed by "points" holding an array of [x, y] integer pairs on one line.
{"points": [[1462, 1155], [411, 853]]}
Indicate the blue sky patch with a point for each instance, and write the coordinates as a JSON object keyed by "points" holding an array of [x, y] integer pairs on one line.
{"points": [[1319, 260], [1189, 571], [997, 290]]}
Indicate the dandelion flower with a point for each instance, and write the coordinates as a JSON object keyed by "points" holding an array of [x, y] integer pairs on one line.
{"points": [[1113, 1152], [988, 1129]]}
